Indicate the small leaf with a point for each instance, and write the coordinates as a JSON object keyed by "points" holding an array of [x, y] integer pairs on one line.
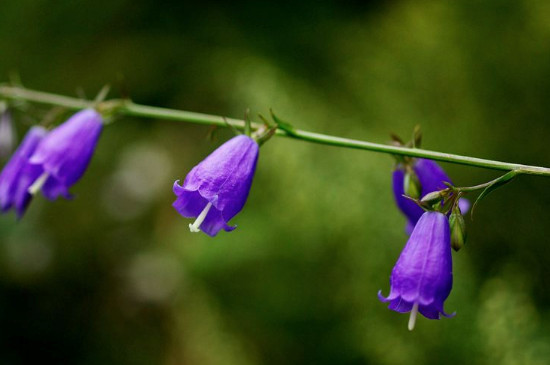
{"points": [[247, 123], [102, 94], [397, 140], [264, 119], [497, 183], [235, 130], [417, 137], [287, 127], [210, 135]]}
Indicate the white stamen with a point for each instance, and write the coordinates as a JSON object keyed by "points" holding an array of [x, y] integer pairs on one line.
{"points": [[412, 318], [195, 227], [38, 183]]}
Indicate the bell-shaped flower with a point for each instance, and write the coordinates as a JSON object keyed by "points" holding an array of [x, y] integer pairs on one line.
{"points": [[18, 174], [216, 189], [65, 153], [422, 278], [431, 178]]}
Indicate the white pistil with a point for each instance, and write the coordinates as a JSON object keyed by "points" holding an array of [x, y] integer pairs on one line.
{"points": [[195, 227], [38, 184], [412, 318]]}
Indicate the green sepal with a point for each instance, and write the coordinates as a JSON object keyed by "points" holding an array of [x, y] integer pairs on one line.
{"points": [[263, 135], [427, 207], [417, 137], [265, 132]]}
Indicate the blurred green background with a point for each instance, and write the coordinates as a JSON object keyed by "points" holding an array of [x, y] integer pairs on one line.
{"points": [[115, 276]]}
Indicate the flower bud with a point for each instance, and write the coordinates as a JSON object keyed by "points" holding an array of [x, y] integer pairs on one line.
{"points": [[433, 197], [411, 185], [458, 229]]}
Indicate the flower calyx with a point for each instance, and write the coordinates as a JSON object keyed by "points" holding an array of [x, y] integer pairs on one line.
{"points": [[443, 201], [265, 132]]}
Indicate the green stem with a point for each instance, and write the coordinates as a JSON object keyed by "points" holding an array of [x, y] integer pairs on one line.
{"points": [[469, 189], [128, 108]]}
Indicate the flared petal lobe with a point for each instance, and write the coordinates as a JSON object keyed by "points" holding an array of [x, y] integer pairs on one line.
{"points": [[222, 179], [66, 152], [432, 178], [423, 272], [18, 174]]}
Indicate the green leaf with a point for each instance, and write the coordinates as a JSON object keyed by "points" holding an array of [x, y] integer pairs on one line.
{"points": [[497, 183], [247, 123], [396, 140], [287, 127], [235, 130], [417, 137]]}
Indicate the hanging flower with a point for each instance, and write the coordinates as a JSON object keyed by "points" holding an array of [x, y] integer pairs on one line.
{"points": [[216, 189], [7, 133], [422, 278], [18, 174], [65, 153], [431, 178]]}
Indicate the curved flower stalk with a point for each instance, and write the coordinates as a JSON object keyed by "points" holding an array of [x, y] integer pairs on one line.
{"points": [[431, 177], [216, 189], [18, 174], [422, 278], [65, 153]]}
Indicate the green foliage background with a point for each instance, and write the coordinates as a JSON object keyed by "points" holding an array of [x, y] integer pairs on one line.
{"points": [[115, 277]]}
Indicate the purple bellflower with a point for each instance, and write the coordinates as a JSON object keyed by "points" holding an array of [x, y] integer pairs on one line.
{"points": [[64, 154], [422, 278], [432, 178], [216, 189], [18, 174]]}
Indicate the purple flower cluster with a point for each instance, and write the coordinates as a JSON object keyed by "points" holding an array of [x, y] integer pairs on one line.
{"points": [[50, 162], [216, 190]]}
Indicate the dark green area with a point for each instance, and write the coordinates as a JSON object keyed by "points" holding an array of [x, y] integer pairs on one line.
{"points": [[115, 276]]}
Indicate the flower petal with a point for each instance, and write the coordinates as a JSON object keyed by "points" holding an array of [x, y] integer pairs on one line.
{"points": [[225, 176], [67, 150], [423, 272], [17, 175]]}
